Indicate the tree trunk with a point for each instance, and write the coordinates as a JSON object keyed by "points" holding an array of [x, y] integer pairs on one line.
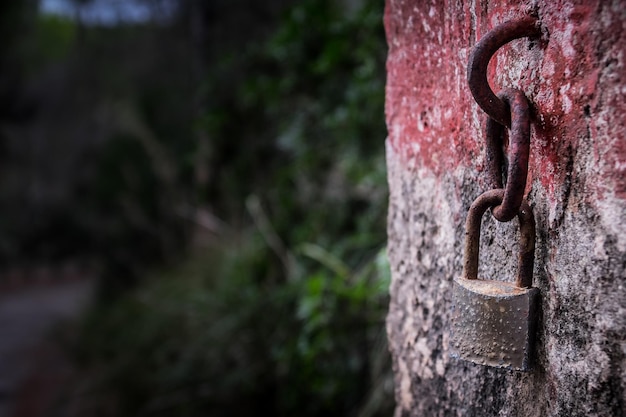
{"points": [[574, 76]]}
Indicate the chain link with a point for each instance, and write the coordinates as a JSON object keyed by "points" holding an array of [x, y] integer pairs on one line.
{"points": [[518, 153], [509, 109]]}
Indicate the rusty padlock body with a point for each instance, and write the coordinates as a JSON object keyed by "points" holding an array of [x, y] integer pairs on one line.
{"points": [[493, 322]]}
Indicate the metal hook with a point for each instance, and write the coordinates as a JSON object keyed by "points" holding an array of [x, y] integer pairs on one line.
{"points": [[479, 60]]}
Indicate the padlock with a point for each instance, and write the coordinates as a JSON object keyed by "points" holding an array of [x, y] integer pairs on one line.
{"points": [[494, 322]]}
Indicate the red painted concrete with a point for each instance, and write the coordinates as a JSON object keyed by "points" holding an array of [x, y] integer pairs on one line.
{"points": [[574, 76]]}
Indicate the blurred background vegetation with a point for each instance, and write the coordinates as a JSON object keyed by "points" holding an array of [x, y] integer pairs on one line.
{"points": [[221, 164]]}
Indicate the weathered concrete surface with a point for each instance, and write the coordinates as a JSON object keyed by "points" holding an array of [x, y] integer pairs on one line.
{"points": [[575, 77]]}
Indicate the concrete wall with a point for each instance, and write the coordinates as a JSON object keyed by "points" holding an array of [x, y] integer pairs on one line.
{"points": [[575, 78]]}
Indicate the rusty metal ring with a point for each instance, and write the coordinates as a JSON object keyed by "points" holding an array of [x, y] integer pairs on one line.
{"points": [[479, 60], [518, 153], [526, 254]]}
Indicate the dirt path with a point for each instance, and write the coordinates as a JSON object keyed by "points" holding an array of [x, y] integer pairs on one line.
{"points": [[30, 364]]}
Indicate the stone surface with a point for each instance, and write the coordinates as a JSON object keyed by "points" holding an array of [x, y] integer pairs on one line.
{"points": [[575, 78]]}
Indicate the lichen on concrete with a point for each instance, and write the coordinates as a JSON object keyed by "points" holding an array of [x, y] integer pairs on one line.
{"points": [[575, 78]]}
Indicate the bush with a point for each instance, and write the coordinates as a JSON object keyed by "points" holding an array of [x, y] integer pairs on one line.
{"points": [[285, 314], [212, 337]]}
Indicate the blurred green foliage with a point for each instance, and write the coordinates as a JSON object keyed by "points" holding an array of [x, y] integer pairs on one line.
{"points": [[311, 103], [210, 338], [282, 311], [284, 314], [52, 41]]}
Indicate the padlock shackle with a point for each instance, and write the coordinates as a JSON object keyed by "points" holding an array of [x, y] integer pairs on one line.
{"points": [[526, 256]]}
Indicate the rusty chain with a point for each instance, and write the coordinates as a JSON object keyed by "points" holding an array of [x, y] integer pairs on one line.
{"points": [[479, 60], [509, 109], [518, 153]]}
